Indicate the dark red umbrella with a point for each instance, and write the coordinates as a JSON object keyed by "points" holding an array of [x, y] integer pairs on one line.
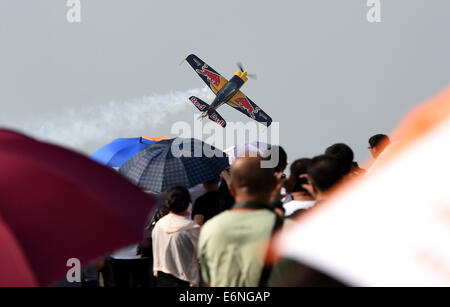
{"points": [[55, 205]]}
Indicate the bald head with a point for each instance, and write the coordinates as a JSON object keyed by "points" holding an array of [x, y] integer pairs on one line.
{"points": [[250, 182]]}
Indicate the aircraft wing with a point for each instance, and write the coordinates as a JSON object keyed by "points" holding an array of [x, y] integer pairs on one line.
{"points": [[211, 77], [243, 104]]}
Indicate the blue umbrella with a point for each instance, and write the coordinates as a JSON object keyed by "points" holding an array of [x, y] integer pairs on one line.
{"points": [[161, 166], [119, 151]]}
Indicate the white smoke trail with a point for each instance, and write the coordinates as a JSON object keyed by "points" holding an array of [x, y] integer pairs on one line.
{"points": [[99, 123]]}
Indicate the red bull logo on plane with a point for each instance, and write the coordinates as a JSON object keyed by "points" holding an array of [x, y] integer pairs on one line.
{"points": [[215, 118], [199, 106], [244, 104], [212, 77]]}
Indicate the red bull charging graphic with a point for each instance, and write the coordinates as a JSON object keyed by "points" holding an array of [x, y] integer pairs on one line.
{"points": [[212, 77], [244, 104]]}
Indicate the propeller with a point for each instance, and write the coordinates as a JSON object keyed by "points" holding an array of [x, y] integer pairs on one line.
{"points": [[241, 68]]}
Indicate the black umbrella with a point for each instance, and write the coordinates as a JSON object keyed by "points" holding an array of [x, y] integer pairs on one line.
{"points": [[175, 162]]}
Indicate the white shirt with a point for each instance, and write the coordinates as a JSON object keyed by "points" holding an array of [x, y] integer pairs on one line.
{"points": [[174, 242], [294, 205]]}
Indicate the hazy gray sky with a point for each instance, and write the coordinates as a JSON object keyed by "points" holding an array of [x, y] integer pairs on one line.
{"points": [[324, 72]]}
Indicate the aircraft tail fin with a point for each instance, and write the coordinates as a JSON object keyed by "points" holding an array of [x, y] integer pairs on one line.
{"points": [[199, 104], [215, 117], [207, 111]]}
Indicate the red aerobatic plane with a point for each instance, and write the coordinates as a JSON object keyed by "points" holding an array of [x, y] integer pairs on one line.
{"points": [[226, 92]]}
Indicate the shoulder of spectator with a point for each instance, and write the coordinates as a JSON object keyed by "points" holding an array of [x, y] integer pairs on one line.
{"points": [[277, 204]]}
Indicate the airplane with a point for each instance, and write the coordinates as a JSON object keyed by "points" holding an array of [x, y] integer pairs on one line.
{"points": [[227, 92]]}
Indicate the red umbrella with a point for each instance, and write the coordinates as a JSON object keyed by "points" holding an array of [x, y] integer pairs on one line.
{"points": [[55, 205]]}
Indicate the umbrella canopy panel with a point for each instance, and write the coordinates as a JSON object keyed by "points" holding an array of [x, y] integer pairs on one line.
{"points": [[119, 151], [158, 167], [55, 205], [250, 147]]}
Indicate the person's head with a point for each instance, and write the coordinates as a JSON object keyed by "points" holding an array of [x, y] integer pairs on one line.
{"points": [[272, 153], [344, 154], [250, 182], [378, 143], [356, 170], [158, 214], [212, 185], [324, 172], [298, 168], [178, 200]]}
